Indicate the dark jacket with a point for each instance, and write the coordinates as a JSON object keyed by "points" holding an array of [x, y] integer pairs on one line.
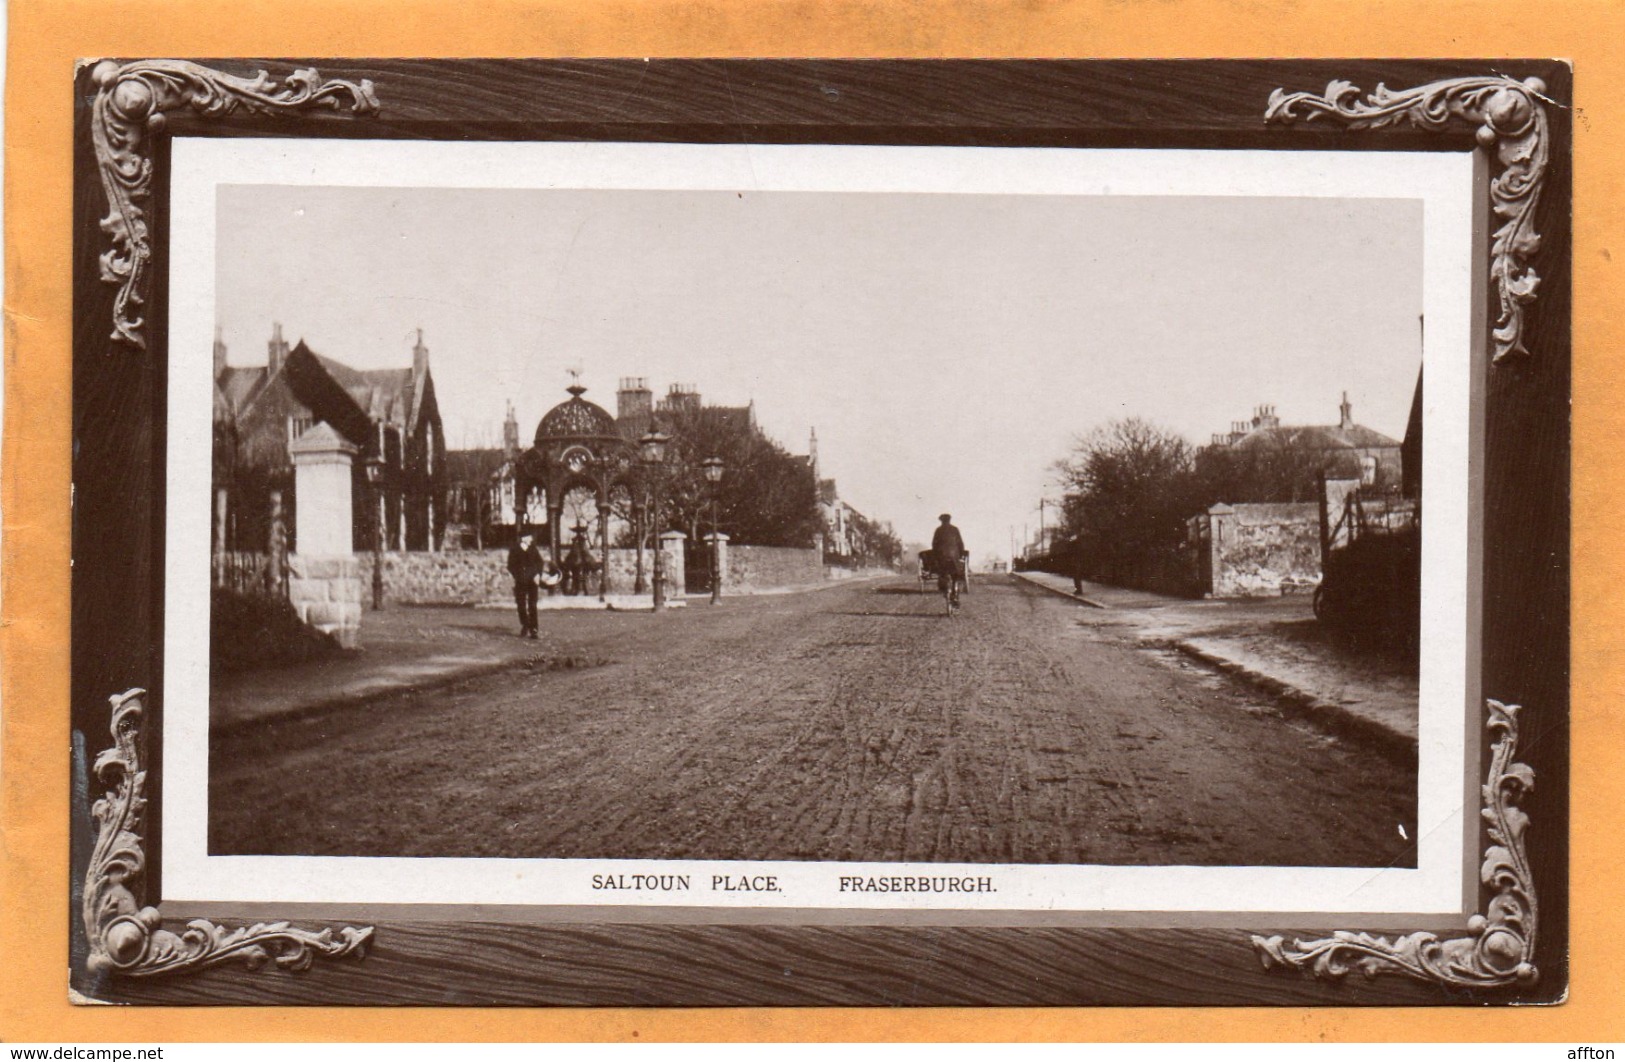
{"points": [[524, 564], [947, 544]]}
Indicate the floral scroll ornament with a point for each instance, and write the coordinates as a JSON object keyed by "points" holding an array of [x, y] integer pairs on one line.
{"points": [[128, 939], [132, 101], [1510, 120], [1500, 946]]}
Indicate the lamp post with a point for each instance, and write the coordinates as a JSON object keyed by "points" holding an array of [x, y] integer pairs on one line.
{"points": [[375, 477], [652, 452], [639, 583], [713, 476]]}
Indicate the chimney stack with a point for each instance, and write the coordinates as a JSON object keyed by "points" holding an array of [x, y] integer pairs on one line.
{"points": [[634, 405], [510, 433], [681, 398], [276, 351], [1346, 419], [420, 358]]}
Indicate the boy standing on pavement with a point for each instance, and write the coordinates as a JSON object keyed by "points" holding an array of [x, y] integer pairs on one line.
{"points": [[525, 565]]}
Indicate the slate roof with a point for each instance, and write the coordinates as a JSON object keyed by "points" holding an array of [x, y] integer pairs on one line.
{"points": [[390, 395], [240, 385], [1316, 437], [742, 418]]}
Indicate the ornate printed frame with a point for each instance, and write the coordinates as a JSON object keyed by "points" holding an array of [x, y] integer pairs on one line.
{"points": [[129, 951]]}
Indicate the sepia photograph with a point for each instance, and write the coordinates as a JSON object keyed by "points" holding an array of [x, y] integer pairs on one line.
{"points": [[762, 526]]}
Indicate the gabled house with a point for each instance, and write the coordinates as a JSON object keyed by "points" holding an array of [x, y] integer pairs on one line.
{"points": [[390, 415], [1344, 450]]}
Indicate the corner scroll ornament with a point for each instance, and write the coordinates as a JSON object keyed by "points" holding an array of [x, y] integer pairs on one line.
{"points": [[1500, 946], [132, 101], [126, 938], [1510, 120]]}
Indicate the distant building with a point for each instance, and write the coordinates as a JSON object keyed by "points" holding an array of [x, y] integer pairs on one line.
{"points": [[843, 525], [390, 415], [1344, 450], [636, 410], [482, 503]]}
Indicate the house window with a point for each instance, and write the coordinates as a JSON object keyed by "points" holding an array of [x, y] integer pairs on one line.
{"points": [[1368, 470], [297, 426]]}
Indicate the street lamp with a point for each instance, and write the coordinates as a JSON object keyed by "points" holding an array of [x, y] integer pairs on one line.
{"points": [[713, 476], [375, 477], [652, 452]]}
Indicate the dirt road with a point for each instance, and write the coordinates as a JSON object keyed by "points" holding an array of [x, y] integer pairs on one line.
{"points": [[853, 723]]}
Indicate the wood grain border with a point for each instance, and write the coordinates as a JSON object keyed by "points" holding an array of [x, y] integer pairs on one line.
{"points": [[119, 417]]}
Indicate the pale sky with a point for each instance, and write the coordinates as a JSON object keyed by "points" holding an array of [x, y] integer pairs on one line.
{"points": [[946, 347]]}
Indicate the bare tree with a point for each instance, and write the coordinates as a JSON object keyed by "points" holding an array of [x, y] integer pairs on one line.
{"points": [[1129, 487], [767, 497], [1278, 468]]}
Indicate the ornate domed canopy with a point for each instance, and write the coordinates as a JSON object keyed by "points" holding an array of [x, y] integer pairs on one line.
{"points": [[575, 418]]}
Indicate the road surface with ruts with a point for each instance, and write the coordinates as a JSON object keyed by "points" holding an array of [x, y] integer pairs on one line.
{"points": [[855, 723]]}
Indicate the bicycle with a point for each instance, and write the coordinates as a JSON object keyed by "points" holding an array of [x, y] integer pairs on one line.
{"points": [[950, 583]]}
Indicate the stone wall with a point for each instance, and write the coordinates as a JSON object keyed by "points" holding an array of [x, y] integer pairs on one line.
{"points": [[623, 566], [471, 577], [1262, 550], [771, 567], [452, 577]]}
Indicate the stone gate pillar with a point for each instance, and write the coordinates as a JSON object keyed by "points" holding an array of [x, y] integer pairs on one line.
{"points": [[719, 549], [671, 545], [1221, 520], [324, 576]]}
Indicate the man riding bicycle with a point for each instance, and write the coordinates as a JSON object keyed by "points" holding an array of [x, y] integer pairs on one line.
{"points": [[948, 553]]}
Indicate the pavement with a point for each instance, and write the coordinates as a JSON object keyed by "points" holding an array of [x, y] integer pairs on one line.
{"points": [[415, 648], [402, 649], [1274, 643]]}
